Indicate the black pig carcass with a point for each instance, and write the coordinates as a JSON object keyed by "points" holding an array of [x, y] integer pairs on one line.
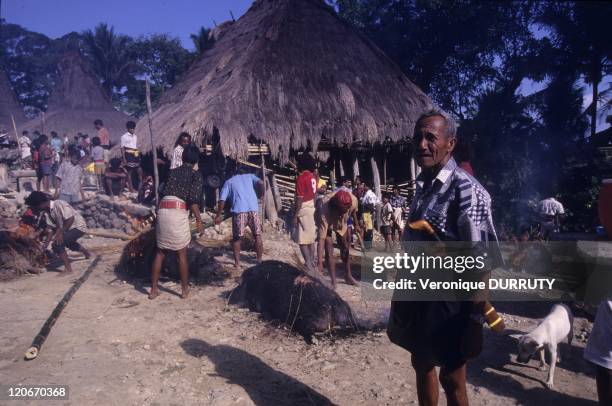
{"points": [[282, 292]]}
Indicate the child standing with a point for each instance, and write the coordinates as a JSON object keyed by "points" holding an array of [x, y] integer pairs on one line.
{"points": [[386, 222], [97, 154]]}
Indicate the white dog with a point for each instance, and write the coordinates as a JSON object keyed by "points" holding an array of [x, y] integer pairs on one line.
{"points": [[550, 332]]}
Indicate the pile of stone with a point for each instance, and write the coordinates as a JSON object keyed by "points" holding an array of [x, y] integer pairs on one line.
{"points": [[102, 212], [8, 208]]}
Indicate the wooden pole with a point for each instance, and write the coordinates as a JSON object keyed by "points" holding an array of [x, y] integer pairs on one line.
{"points": [[42, 123], [263, 200], [42, 335], [153, 147], [355, 168], [276, 192], [17, 141], [375, 176], [385, 169], [332, 175]]}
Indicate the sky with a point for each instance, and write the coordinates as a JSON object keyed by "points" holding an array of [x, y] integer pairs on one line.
{"points": [[180, 18]]}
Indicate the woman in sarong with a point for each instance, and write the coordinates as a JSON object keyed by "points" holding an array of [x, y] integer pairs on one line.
{"points": [[183, 192]]}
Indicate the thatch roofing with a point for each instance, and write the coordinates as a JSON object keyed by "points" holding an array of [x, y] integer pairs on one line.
{"points": [[9, 105], [288, 72], [76, 101]]}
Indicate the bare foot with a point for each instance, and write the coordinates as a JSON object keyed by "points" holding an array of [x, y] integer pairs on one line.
{"points": [[65, 272], [351, 281], [236, 265], [153, 294], [185, 293]]}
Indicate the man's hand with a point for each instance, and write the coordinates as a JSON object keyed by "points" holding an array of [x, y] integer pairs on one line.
{"points": [[59, 238], [218, 218], [56, 194], [295, 220], [200, 226]]}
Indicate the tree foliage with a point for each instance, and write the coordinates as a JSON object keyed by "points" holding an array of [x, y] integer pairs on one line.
{"points": [[111, 55], [474, 59], [202, 40]]}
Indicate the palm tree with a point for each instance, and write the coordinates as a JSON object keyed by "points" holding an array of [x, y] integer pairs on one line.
{"points": [[580, 31], [110, 54], [202, 40]]}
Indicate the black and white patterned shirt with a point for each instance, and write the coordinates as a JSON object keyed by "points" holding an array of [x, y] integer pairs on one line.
{"points": [[455, 204], [186, 184]]}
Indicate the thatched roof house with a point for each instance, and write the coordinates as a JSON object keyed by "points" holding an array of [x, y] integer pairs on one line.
{"points": [[76, 101], [288, 72], [9, 105]]}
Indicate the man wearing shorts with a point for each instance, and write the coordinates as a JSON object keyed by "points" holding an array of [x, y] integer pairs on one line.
{"points": [[46, 157], [104, 137], [303, 217], [66, 226], [131, 154], [336, 210], [240, 191]]}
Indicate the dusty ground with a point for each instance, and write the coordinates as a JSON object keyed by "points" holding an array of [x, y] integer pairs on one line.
{"points": [[113, 346]]}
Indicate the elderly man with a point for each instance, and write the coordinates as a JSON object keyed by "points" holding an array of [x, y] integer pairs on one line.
{"points": [[443, 334], [550, 212]]}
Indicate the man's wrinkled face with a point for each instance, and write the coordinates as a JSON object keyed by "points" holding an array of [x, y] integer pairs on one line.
{"points": [[432, 147]]}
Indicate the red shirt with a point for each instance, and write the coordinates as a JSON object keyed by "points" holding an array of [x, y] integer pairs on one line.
{"points": [[306, 186], [466, 166]]}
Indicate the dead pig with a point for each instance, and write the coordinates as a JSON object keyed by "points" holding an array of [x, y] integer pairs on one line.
{"points": [[284, 293]]}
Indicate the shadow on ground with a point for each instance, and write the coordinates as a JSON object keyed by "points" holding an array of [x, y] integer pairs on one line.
{"points": [[264, 384]]}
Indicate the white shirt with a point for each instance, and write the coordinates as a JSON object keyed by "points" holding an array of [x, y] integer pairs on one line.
{"points": [[370, 198], [177, 157], [129, 140], [62, 211], [550, 207], [24, 146]]}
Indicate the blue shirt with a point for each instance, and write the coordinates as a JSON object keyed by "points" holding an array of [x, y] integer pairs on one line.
{"points": [[240, 190], [56, 144]]}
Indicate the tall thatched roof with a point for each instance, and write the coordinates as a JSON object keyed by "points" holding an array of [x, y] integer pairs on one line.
{"points": [[288, 72], [76, 101], [9, 105]]}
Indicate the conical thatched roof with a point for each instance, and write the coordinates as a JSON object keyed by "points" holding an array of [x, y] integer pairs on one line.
{"points": [[76, 101], [289, 71], [9, 105]]}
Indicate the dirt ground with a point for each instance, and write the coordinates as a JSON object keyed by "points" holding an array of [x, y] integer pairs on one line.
{"points": [[113, 346]]}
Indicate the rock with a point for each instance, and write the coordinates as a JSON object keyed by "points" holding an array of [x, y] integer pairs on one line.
{"points": [[91, 223], [137, 210], [117, 224], [112, 216]]}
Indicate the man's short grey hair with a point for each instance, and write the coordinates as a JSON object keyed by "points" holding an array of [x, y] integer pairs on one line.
{"points": [[451, 124]]}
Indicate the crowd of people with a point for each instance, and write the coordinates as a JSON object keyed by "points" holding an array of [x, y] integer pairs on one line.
{"points": [[61, 163], [444, 334]]}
